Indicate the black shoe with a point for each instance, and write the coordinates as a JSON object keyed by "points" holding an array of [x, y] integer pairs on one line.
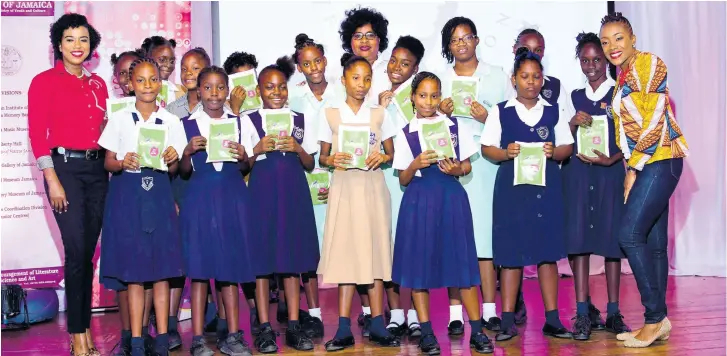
{"points": [[211, 327], [265, 342], [366, 331], [340, 344], [556, 332], [521, 313], [122, 348], [455, 328], [429, 345], [595, 316], [385, 341], [175, 340], [493, 324], [282, 313], [508, 334], [361, 319], [254, 324], [481, 343], [615, 324], [152, 319], [313, 327], [415, 330], [397, 329], [296, 338], [148, 344], [582, 327]]}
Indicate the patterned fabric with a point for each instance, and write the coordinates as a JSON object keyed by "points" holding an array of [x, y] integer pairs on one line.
{"points": [[646, 128]]}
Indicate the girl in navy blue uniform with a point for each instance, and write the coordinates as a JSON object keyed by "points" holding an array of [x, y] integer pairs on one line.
{"points": [[141, 235], [528, 220], [436, 241], [288, 241], [216, 220], [593, 191]]}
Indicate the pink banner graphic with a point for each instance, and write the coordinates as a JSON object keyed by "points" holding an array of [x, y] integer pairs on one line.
{"points": [[27, 8], [46, 277]]}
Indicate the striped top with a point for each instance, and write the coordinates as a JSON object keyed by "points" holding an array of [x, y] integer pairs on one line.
{"points": [[646, 128]]}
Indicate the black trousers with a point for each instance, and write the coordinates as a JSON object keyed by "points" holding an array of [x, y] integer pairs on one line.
{"points": [[85, 183]]}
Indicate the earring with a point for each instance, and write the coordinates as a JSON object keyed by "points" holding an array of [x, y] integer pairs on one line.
{"points": [[633, 45]]}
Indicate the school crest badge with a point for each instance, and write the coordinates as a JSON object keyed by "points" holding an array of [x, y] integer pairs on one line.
{"points": [[609, 112], [147, 183], [547, 93], [453, 136], [298, 133], [372, 139], [543, 132]]}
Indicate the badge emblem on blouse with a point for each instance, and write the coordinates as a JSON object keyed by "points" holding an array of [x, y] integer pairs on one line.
{"points": [[453, 136], [547, 93], [298, 133], [147, 183], [372, 139], [543, 132]]}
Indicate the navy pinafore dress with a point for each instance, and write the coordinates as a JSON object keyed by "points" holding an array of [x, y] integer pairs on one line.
{"points": [[593, 194], [435, 244], [141, 240], [527, 220], [288, 239], [216, 220]]}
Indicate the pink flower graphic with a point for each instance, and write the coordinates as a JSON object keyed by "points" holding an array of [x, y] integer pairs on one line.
{"points": [[225, 143], [283, 133], [321, 190], [468, 101], [154, 151], [251, 93], [597, 140], [358, 152], [441, 142]]}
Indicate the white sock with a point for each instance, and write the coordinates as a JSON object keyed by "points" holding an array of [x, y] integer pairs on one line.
{"points": [[412, 317], [488, 311], [316, 313], [397, 316], [366, 310], [455, 313]]}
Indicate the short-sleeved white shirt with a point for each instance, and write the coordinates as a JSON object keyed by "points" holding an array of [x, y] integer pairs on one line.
{"points": [[246, 129], [325, 134], [302, 100], [379, 80], [310, 139], [121, 134], [403, 157], [492, 133]]}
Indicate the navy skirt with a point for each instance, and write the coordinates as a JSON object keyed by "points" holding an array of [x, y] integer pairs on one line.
{"points": [[288, 239], [435, 240], [140, 235]]}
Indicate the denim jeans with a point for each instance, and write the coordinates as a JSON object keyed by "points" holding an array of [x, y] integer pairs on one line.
{"points": [[643, 235]]}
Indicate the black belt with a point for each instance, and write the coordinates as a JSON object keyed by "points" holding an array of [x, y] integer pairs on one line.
{"points": [[89, 155]]}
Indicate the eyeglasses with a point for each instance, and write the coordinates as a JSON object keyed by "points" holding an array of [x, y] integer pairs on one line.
{"points": [[466, 39], [358, 36], [166, 60]]}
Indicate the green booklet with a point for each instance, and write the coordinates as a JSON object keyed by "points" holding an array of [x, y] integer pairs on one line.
{"points": [[166, 94], [319, 179], [530, 164], [594, 137], [114, 105], [222, 133], [402, 100], [277, 122], [464, 92], [247, 80], [151, 143], [434, 135], [354, 140]]}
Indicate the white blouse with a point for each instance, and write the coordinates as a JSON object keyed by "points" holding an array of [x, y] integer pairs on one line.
{"points": [[325, 134], [246, 128], [310, 139]]}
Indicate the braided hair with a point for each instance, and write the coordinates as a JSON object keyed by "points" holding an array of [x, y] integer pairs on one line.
{"points": [[140, 61], [302, 41], [617, 17], [418, 79], [583, 39], [151, 43]]}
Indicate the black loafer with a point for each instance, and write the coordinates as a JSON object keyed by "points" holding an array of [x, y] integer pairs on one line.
{"points": [[296, 338], [397, 329], [265, 342], [385, 341], [582, 328], [313, 327], [594, 315], [340, 344], [455, 328], [615, 324], [493, 324], [481, 343], [508, 334], [429, 345], [560, 333], [415, 330]]}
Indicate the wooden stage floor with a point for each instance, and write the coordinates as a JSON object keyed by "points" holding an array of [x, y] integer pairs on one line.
{"points": [[696, 310]]}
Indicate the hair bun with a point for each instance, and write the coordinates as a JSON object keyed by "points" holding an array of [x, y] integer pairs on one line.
{"points": [[345, 57], [302, 39], [522, 51], [580, 36], [285, 64]]}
